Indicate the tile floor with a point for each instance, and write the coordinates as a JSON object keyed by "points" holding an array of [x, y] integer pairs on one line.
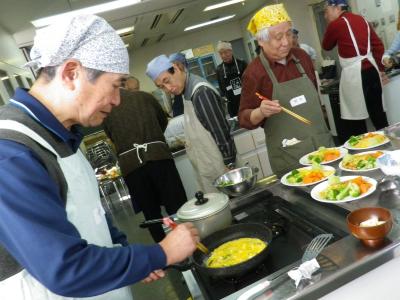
{"points": [[172, 286]]}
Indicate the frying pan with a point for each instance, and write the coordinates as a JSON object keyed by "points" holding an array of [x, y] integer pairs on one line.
{"points": [[245, 230]]}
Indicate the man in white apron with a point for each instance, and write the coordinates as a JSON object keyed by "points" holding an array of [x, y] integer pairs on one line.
{"points": [[55, 241], [360, 51], [208, 142], [229, 75]]}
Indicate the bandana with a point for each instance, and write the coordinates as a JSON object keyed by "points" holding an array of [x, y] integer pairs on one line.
{"points": [[157, 66], [268, 16], [87, 38]]}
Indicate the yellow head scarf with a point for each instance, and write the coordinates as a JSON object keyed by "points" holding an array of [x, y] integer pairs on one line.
{"points": [[268, 16]]}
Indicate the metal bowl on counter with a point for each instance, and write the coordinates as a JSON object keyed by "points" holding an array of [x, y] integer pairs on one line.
{"points": [[237, 182]]}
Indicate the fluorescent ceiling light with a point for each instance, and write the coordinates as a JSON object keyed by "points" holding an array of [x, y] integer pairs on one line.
{"points": [[125, 30], [209, 23], [5, 78], [96, 9], [226, 3]]}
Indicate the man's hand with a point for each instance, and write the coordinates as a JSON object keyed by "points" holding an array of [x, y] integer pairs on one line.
{"points": [[384, 78], [269, 108], [155, 275], [180, 243]]}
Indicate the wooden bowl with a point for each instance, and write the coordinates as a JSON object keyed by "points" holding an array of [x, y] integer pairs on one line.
{"points": [[371, 236]]}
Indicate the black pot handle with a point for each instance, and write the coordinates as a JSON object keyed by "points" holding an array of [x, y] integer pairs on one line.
{"points": [[149, 223], [200, 198]]}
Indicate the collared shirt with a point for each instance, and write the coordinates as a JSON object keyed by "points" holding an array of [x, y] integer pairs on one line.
{"points": [[34, 225], [208, 108], [337, 33], [255, 79]]}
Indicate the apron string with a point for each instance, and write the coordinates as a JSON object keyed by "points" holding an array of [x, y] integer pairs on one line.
{"points": [[137, 147]]}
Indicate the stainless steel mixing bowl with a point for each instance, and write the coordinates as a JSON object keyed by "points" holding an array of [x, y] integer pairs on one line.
{"points": [[237, 182]]}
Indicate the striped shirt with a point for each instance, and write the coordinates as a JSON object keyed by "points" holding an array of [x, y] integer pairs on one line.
{"points": [[208, 108]]}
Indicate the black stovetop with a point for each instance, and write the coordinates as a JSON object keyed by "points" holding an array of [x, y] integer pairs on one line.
{"points": [[291, 234]]}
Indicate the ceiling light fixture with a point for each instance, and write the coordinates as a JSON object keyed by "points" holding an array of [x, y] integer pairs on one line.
{"points": [[96, 9], [209, 23], [125, 30], [226, 3]]}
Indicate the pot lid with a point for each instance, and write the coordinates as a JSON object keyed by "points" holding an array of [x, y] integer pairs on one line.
{"points": [[203, 206]]}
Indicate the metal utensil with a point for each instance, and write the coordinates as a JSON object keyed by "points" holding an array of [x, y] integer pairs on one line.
{"points": [[316, 246], [239, 180]]}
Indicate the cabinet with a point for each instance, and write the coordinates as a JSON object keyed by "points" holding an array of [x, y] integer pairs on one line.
{"points": [[206, 67], [251, 150]]}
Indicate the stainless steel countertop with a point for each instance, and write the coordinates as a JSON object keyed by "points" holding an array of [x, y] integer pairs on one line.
{"points": [[342, 261]]}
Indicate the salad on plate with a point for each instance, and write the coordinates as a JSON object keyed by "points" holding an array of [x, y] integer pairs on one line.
{"points": [[343, 189], [366, 141], [323, 156], [307, 175], [365, 161]]}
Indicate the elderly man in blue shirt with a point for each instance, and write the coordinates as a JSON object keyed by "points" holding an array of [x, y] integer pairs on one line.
{"points": [[55, 242]]}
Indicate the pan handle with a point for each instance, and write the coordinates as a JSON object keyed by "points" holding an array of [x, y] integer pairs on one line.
{"points": [[183, 266], [149, 223]]}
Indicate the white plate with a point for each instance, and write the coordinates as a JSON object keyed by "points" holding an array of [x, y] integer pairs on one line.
{"points": [[348, 146], [324, 168], [315, 192], [366, 170], [305, 162]]}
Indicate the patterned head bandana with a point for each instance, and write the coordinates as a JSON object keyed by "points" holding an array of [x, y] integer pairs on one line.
{"points": [[178, 57], [158, 65], [87, 38], [268, 16]]}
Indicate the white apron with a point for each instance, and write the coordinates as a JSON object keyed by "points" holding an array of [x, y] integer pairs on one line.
{"points": [[200, 146], [84, 210], [352, 101]]}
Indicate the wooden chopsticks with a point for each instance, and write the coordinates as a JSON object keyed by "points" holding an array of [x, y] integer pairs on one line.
{"points": [[293, 114]]}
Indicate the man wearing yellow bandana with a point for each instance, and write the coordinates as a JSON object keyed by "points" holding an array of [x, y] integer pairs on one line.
{"points": [[285, 76]]}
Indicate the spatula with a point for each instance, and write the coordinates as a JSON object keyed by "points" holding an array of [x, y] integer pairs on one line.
{"points": [[316, 246]]}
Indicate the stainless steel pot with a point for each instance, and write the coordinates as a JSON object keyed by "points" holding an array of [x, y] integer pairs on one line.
{"points": [[208, 212]]}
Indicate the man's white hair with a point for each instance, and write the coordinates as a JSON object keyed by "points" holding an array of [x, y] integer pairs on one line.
{"points": [[263, 34]]}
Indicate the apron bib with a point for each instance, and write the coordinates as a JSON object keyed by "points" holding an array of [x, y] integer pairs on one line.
{"points": [[83, 209], [291, 94], [352, 101], [201, 148]]}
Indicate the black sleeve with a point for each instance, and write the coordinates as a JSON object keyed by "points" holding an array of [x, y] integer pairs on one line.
{"points": [[221, 81], [208, 108]]}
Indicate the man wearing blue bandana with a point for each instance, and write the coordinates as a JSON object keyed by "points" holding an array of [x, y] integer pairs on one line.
{"points": [[208, 142], [55, 241]]}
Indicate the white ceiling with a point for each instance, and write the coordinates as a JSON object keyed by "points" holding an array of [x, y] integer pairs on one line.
{"points": [[15, 15]]}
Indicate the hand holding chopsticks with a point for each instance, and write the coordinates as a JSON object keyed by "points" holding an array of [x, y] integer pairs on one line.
{"points": [[293, 114], [171, 224]]}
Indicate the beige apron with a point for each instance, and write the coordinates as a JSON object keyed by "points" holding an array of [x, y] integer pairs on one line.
{"points": [[201, 148], [352, 101], [84, 211], [283, 126]]}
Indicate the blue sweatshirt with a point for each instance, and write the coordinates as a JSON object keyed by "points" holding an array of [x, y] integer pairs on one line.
{"points": [[56, 255]]}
